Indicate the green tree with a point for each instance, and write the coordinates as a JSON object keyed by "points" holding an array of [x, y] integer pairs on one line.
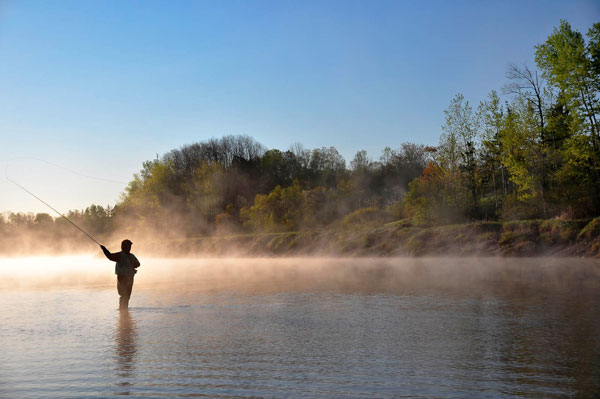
{"points": [[328, 166], [433, 199], [43, 220], [148, 200], [205, 194], [491, 115], [570, 65], [457, 151], [522, 152], [361, 162], [280, 210], [279, 168]]}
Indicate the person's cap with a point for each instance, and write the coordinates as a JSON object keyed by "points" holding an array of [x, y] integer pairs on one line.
{"points": [[125, 242]]}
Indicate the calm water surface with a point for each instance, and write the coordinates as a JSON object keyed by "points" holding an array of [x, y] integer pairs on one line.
{"points": [[302, 328]]}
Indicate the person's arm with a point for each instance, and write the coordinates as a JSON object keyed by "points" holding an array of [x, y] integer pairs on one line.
{"points": [[114, 257], [134, 261]]}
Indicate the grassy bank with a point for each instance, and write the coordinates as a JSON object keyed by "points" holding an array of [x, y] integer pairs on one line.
{"points": [[404, 238]]}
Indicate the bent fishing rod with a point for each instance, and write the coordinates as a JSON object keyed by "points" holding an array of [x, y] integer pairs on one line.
{"points": [[49, 206]]}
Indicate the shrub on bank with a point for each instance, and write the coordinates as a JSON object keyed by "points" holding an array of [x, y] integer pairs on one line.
{"points": [[556, 231], [366, 216], [519, 237], [590, 231]]}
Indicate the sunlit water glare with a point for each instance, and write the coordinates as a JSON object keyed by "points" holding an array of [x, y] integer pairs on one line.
{"points": [[310, 328]]}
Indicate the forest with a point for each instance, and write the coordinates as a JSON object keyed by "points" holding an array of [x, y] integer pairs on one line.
{"points": [[530, 150]]}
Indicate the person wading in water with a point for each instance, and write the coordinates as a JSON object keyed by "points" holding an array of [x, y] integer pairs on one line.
{"points": [[125, 269]]}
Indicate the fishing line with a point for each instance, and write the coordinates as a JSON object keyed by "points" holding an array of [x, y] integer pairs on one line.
{"points": [[48, 205], [68, 170]]}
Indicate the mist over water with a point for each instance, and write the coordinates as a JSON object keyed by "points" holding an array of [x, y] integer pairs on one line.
{"points": [[302, 327]]}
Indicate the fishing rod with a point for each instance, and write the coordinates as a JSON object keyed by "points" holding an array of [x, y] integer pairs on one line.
{"points": [[49, 206]]}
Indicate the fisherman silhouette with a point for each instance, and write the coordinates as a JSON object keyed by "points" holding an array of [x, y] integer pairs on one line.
{"points": [[125, 269]]}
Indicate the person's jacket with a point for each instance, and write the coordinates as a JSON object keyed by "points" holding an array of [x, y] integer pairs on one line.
{"points": [[126, 262]]}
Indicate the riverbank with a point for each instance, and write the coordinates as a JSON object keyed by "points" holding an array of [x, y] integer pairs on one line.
{"points": [[359, 237], [556, 237]]}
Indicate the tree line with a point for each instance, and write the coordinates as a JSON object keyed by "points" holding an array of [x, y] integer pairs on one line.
{"points": [[234, 184], [533, 153]]}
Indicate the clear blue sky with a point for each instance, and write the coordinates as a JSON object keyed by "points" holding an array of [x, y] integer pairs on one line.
{"points": [[101, 86]]}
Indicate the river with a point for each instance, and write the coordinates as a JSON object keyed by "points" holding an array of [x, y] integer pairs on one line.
{"points": [[302, 328]]}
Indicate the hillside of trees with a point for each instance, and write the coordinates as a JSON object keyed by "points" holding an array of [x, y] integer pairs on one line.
{"points": [[530, 151]]}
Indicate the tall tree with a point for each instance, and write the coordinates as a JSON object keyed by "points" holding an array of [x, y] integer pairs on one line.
{"points": [[527, 83], [521, 151], [458, 144], [491, 116], [572, 66], [361, 162], [569, 64]]}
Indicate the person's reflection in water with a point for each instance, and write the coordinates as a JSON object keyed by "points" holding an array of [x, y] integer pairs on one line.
{"points": [[125, 348]]}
